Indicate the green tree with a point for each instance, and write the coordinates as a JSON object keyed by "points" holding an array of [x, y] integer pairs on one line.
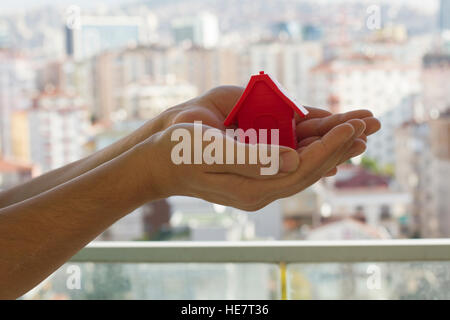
{"points": [[370, 164]]}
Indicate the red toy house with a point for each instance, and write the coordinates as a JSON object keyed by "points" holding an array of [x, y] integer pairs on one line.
{"points": [[266, 105]]}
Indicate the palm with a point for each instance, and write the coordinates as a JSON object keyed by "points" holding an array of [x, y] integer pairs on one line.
{"points": [[213, 107]]}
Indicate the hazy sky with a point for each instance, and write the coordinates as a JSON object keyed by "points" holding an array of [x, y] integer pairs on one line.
{"points": [[22, 4], [426, 5]]}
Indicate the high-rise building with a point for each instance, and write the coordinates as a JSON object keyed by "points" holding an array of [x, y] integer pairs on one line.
{"points": [[435, 85], [423, 168], [200, 30], [104, 86], [207, 68], [287, 29], [385, 86], [51, 74], [289, 62], [95, 34], [5, 38], [444, 15], [381, 146], [297, 61], [20, 126], [16, 84], [58, 125], [141, 100], [266, 56], [311, 33], [440, 172]]}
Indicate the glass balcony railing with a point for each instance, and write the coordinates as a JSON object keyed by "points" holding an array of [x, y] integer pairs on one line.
{"points": [[397, 269]]}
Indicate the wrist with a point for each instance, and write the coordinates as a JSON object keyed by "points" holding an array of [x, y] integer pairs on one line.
{"points": [[152, 169]]}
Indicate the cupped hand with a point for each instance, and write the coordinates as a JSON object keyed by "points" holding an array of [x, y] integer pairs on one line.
{"points": [[242, 185], [214, 106]]}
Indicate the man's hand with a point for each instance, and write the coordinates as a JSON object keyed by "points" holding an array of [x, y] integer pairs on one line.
{"points": [[44, 222], [214, 106], [242, 185]]}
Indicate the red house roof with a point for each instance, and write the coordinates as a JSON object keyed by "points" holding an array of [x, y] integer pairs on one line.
{"points": [[277, 89], [361, 178]]}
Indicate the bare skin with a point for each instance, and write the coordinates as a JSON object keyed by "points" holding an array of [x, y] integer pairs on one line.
{"points": [[47, 220]]}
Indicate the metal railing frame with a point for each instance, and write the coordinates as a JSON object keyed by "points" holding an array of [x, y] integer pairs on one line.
{"points": [[278, 252]]}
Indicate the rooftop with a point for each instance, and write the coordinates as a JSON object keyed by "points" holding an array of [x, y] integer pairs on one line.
{"points": [[7, 166], [357, 177]]}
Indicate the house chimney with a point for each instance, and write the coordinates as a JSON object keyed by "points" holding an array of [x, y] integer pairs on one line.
{"points": [[261, 72]]}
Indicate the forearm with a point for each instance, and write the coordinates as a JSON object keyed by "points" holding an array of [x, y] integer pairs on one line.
{"points": [[61, 175], [39, 234]]}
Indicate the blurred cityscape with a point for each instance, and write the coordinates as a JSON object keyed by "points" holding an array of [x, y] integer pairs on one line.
{"points": [[75, 78]]}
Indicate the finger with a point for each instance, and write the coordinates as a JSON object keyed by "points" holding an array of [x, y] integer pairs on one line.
{"points": [[307, 141], [324, 154], [316, 160], [363, 137], [357, 148], [372, 125], [320, 126], [314, 156], [331, 173], [335, 144]]}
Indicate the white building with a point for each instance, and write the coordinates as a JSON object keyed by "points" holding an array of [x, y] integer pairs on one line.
{"points": [[145, 100], [5, 32], [58, 124], [380, 84], [16, 85], [289, 62], [435, 85], [423, 169], [381, 146], [347, 229], [355, 192]]}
